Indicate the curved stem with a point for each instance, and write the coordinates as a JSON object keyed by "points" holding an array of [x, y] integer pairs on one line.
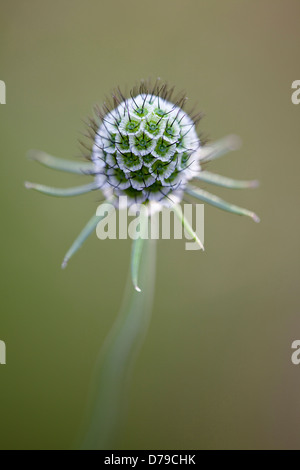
{"points": [[109, 387]]}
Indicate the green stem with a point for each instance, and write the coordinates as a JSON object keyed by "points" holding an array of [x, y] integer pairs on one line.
{"points": [[117, 358]]}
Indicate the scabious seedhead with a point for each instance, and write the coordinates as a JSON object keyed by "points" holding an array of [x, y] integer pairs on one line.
{"points": [[144, 147]]}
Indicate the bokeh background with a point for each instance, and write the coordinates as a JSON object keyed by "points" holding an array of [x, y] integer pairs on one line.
{"points": [[215, 370]]}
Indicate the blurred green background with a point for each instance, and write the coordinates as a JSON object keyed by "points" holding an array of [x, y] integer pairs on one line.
{"points": [[215, 370]]}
